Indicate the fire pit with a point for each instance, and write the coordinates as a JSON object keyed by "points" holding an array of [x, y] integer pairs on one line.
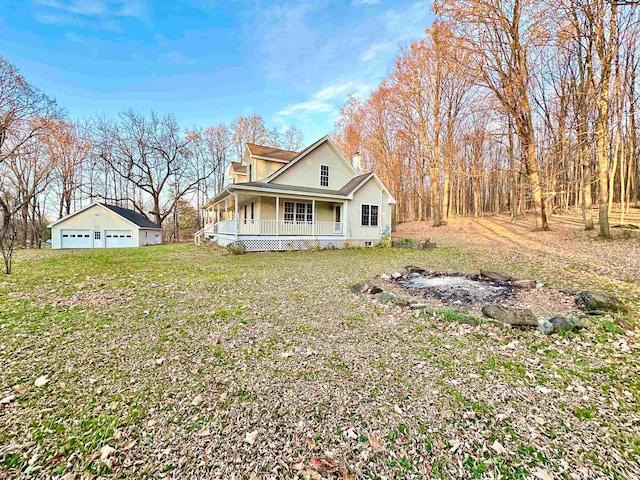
{"points": [[457, 290]]}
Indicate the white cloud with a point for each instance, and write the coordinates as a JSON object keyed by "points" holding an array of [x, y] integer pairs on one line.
{"points": [[102, 14], [375, 49], [326, 100], [179, 59], [366, 2]]}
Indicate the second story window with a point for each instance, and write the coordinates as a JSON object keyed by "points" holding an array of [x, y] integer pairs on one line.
{"points": [[324, 175], [249, 176]]}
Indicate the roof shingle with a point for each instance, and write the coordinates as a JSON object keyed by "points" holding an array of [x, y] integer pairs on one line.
{"points": [[271, 152], [131, 215]]}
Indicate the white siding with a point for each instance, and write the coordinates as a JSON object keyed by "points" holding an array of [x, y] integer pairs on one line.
{"points": [[89, 219], [149, 237], [368, 194], [306, 171]]}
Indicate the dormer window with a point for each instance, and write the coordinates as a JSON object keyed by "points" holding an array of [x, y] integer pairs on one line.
{"points": [[324, 175]]}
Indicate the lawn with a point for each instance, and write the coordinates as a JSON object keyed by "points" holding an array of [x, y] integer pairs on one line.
{"points": [[191, 363]]}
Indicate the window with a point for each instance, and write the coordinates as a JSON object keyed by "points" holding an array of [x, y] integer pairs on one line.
{"points": [[368, 243], [298, 212], [252, 211], [97, 235], [369, 216], [245, 214], [374, 215], [324, 175], [289, 208], [249, 176]]}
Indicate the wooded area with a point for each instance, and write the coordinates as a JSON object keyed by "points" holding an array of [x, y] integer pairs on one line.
{"points": [[50, 166], [508, 105]]}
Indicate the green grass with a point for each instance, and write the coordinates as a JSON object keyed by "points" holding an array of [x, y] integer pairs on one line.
{"points": [[275, 342]]}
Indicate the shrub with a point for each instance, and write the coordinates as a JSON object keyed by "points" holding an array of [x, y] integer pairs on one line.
{"points": [[315, 247], [385, 242], [236, 248]]}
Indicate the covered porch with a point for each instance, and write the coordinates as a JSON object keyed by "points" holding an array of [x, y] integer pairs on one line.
{"points": [[259, 216]]}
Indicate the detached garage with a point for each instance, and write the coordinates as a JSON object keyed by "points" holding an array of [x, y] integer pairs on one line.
{"points": [[104, 226]]}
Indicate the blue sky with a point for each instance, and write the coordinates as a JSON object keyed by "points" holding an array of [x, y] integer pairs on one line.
{"points": [[208, 61]]}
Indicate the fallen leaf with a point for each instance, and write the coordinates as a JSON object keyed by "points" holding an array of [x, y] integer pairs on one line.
{"points": [[498, 448], [542, 474], [322, 465], [106, 452], [398, 410], [376, 444], [128, 445], [197, 400], [41, 381], [160, 361], [7, 399], [250, 437], [286, 354]]}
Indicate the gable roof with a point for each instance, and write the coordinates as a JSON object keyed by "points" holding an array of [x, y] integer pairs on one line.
{"points": [[271, 152], [133, 216], [307, 151], [238, 167], [130, 216]]}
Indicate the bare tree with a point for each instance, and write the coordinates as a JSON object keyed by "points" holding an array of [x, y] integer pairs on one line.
{"points": [[24, 119], [151, 155]]}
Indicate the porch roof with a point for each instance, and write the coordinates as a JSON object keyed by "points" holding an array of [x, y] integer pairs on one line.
{"points": [[258, 187]]}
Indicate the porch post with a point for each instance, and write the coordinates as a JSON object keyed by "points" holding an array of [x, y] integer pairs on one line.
{"points": [[235, 214], [218, 207], [277, 216], [344, 219], [226, 209], [313, 217]]}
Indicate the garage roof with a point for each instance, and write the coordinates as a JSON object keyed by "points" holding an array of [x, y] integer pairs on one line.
{"points": [[131, 215]]}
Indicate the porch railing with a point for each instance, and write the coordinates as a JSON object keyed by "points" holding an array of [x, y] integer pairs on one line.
{"points": [[281, 228]]}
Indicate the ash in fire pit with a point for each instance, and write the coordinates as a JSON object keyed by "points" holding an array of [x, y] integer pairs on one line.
{"points": [[466, 291]]}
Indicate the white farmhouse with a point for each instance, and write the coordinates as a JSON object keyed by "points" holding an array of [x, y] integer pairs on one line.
{"points": [[282, 200]]}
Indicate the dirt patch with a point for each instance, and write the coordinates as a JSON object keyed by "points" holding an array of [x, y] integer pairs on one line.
{"points": [[93, 299], [472, 292]]}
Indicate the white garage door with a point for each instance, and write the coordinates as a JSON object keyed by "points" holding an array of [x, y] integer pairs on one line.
{"points": [[118, 238], [75, 239]]}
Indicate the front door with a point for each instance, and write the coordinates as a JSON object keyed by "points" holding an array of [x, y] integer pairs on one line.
{"points": [[338, 214], [97, 238]]}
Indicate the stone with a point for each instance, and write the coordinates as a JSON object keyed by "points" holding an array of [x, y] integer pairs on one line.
{"points": [[545, 326], [510, 315], [396, 275], [451, 273], [562, 324], [591, 300], [414, 275], [361, 287], [582, 322], [496, 276], [427, 245], [385, 277], [413, 269], [374, 290], [524, 283], [386, 297]]}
